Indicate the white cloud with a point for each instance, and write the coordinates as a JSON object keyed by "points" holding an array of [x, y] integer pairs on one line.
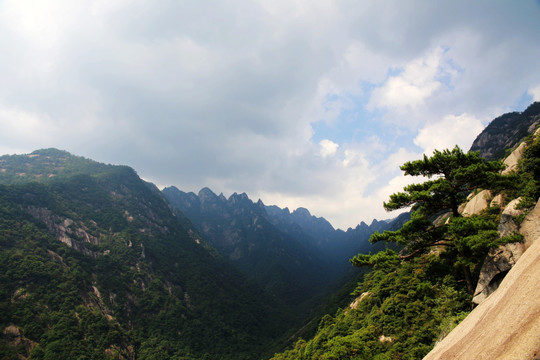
{"points": [[23, 129], [452, 130], [416, 83], [535, 92], [328, 147], [225, 94]]}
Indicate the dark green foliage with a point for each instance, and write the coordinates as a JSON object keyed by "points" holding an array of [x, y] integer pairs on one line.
{"points": [[456, 173], [133, 282], [290, 270], [404, 308], [465, 240], [529, 166]]}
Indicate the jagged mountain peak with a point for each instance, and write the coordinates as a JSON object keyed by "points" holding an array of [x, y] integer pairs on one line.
{"points": [[241, 231], [235, 198], [205, 194]]}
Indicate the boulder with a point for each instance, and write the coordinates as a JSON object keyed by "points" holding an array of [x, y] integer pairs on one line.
{"points": [[512, 160], [497, 200], [497, 264], [477, 203]]}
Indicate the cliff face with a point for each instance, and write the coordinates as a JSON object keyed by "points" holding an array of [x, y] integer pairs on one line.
{"points": [[507, 324]]}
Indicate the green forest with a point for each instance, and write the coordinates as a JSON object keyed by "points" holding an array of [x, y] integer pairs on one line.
{"points": [[134, 282]]}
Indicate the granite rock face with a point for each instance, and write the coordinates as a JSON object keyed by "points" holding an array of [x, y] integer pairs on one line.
{"points": [[506, 325]]}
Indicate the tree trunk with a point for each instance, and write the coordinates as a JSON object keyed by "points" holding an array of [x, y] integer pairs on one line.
{"points": [[454, 205], [468, 280]]}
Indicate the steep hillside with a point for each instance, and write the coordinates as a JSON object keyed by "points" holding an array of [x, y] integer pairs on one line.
{"points": [[293, 255], [506, 131], [506, 325], [94, 264], [239, 229], [337, 246]]}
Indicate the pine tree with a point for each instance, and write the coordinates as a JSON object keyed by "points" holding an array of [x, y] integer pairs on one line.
{"points": [[435, 219]]}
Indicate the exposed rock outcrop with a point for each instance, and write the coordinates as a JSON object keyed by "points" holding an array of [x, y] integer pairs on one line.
{"points": [[14, 335], [511, 160], [477, 203], [500, 260], [73, 234], [507, 324], [358, 300]]}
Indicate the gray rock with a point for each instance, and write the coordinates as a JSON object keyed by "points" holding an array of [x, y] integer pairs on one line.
{"points": [[497, 264]]}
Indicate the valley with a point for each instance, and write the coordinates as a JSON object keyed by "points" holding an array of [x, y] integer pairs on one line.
{"points": [[97, 263]]}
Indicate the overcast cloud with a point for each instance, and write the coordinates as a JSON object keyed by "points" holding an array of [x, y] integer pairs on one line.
{"points": [[311, 103]]}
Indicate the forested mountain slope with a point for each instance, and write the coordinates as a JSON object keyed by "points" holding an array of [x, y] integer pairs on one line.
{"points": [[506, 131], [93, 264], [238, 228]]}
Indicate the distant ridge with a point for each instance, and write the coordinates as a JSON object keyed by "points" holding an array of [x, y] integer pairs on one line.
{"points": [[273, 245], [506, 131]]}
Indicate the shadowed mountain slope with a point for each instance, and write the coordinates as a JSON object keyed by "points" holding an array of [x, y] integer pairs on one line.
{"points": [[93, 263]]}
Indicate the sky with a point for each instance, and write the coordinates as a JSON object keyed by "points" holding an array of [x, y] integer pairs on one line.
{"points": [[299, 103]]}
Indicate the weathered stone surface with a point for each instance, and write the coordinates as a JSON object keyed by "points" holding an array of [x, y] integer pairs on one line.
{"points": [[477, 203], [66, 230], [497, 264], [497, 200], [499, 261], [511, 210], [530, 227], [507, 225], [507, 324], [358, 300], [511, 160]]}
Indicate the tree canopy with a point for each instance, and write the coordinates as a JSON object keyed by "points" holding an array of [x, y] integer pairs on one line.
{"points": [[436, 220], [454, 174]]}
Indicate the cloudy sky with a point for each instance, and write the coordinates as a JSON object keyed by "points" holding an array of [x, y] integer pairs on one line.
{"points": [[311, 103]]}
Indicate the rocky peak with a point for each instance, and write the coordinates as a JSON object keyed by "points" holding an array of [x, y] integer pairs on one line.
{"points": [[302, 213], [506, 131], [207, 195], [236, 198]]}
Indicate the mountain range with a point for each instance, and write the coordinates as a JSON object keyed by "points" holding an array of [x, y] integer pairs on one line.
{"points": [[97, 263], [295, 256]]}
